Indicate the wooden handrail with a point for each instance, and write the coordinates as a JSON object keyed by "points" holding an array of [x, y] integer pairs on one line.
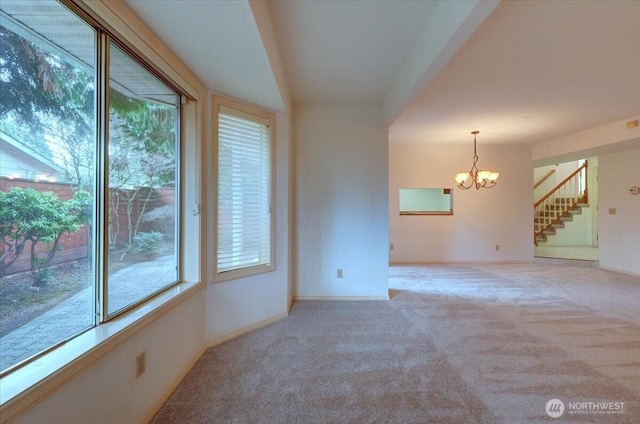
{"points": [[573, 174], [543, 179], [549, 210]]}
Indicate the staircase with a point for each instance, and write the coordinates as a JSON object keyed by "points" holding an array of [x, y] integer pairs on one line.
{"points": [[560, 204], [561, 212]]}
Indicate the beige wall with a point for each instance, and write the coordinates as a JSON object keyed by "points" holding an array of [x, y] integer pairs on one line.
{"points": [[341, 201], [613, 137], [482, 219], [108, 391], [619, 239]]}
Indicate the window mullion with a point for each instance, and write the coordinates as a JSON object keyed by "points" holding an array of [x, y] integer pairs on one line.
{"points": [[101, 245]]}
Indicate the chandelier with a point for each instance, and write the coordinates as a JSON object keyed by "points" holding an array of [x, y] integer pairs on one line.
{"points": [[479, 179]]}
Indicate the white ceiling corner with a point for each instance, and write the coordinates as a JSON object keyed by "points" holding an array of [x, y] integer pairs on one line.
{"points": [[520, 73], [219, 41]]}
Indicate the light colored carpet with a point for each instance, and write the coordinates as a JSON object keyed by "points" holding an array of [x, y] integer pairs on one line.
{"points": [[455, 344]]}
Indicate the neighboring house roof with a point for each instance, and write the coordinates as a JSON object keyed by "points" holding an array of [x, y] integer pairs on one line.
{"points": [[21, 161]]}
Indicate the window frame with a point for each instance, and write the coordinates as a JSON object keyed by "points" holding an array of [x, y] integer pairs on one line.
{"points": [[108, 41], [26, 385], [104, 37], [149, 60], [219, 102]]}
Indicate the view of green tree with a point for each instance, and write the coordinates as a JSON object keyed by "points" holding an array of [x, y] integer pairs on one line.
{"points": [[133, 172], [119, 166], [25, 66], [36, 84], [42, 94], [45, 94], [27, 215], [48, 103]]}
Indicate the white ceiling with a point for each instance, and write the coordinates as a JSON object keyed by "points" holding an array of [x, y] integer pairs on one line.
{"points": [[219, 41], [345, 51], [570, 66], [566, 66]]}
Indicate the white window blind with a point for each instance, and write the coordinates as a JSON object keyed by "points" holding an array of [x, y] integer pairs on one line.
{"points": [[244, 190]]}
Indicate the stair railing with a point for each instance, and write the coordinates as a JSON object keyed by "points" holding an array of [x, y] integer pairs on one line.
{"points": [[543, 179], [557, 203]]}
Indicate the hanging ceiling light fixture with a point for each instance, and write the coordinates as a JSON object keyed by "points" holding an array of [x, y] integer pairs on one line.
{"points": [[479, 179]]}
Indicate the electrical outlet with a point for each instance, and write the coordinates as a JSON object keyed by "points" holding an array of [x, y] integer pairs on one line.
{"points": [[340, 273], [497, 247], [141, 364]]}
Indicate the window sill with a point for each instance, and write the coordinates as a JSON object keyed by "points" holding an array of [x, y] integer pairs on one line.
{"points": [[31, 383], [221, 277]]}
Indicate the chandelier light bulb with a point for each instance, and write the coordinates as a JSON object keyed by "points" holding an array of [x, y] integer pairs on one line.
{"points": [[462, 177]]}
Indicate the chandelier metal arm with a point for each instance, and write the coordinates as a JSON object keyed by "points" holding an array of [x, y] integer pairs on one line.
{"points": [[478, 179]]}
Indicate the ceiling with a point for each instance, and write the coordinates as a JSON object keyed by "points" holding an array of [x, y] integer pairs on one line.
{"points": [[219, 41], [519, 72], [532, 72], [346, 51]]}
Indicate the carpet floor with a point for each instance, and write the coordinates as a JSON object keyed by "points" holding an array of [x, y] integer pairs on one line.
{"points": [[455, 344]]}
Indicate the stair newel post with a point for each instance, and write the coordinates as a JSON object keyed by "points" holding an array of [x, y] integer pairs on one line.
{"points": [[586, 182]]}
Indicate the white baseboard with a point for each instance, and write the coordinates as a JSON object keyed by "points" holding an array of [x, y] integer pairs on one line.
{"points": [[634, 274], [172, 387], [342, 297], [245, 330], [460, 262]]}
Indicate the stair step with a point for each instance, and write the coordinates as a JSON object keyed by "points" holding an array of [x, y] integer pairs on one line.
{"points": [[558, 207], [558, 222], [561, 207], [566, 200], [554, 212]]}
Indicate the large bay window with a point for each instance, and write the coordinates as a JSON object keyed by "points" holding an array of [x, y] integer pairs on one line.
{"points": [[89, 179], [244, 242]]}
